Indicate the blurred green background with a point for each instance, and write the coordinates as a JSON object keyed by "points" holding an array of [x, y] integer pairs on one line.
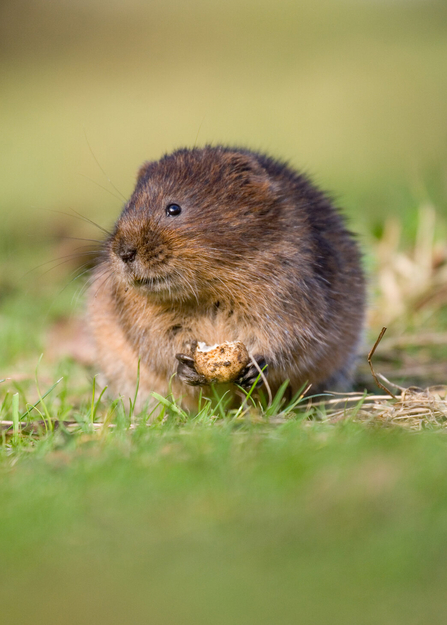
{"points": [[230, 523], [354, 92]]}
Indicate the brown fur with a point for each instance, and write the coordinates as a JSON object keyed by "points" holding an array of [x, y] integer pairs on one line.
{"points": [[258, 255]]}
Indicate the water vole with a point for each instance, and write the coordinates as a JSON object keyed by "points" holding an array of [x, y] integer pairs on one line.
{"points": [[219, 244]]}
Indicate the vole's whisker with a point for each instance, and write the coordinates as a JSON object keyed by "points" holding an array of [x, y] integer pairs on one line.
{"points": [[97, 162], [90, 221], [68, 283], [82, 288], [104, 188], [77, 278], [99, 241], [103, 283], [63, 259], [78, 275], [190, 286], [99, 272], [77, 216]]}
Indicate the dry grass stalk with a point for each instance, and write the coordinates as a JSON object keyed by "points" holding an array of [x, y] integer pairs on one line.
{"points": [[373, 373], [414, 409], [412, 280]]}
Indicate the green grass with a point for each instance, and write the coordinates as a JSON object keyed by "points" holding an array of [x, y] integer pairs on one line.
{"points": [[226, 522], [215, 518]]}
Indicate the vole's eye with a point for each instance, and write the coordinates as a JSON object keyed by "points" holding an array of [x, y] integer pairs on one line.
{"points": [[172, 210]]}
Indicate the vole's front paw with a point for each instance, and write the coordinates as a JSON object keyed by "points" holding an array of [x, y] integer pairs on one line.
{"points": [[186, 371], [250, 373]]}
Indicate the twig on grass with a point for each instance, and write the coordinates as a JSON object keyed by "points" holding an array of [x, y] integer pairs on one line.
{"points": [[373, 373]]}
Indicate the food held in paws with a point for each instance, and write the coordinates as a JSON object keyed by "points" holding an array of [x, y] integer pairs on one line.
{"points": [[221, 363]]}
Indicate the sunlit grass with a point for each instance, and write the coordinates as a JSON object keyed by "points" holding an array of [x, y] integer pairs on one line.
{"points": [[238, 519]]}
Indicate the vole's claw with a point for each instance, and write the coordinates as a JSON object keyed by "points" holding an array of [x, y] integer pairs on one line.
{"points": [[186, 371], [250, 373], [185, 359]]}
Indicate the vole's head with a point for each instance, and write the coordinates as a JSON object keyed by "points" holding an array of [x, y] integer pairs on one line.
{"points": [[195, 217]]}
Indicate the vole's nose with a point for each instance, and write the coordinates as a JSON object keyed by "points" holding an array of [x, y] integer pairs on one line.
{"points": [[127, 254]]}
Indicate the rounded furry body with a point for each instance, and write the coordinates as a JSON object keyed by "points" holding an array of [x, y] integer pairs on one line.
{"points": [[257, 254]]}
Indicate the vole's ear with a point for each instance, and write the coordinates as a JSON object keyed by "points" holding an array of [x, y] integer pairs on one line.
{"points": [[244, 165], [144, 171], [246, 169]]}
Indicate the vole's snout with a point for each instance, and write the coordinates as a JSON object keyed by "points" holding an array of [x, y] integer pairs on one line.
{"points": [[142, 256], [127, 254]]}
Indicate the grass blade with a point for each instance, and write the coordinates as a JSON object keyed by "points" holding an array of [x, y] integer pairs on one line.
{"points": [[15, 419], [27, 413]]}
